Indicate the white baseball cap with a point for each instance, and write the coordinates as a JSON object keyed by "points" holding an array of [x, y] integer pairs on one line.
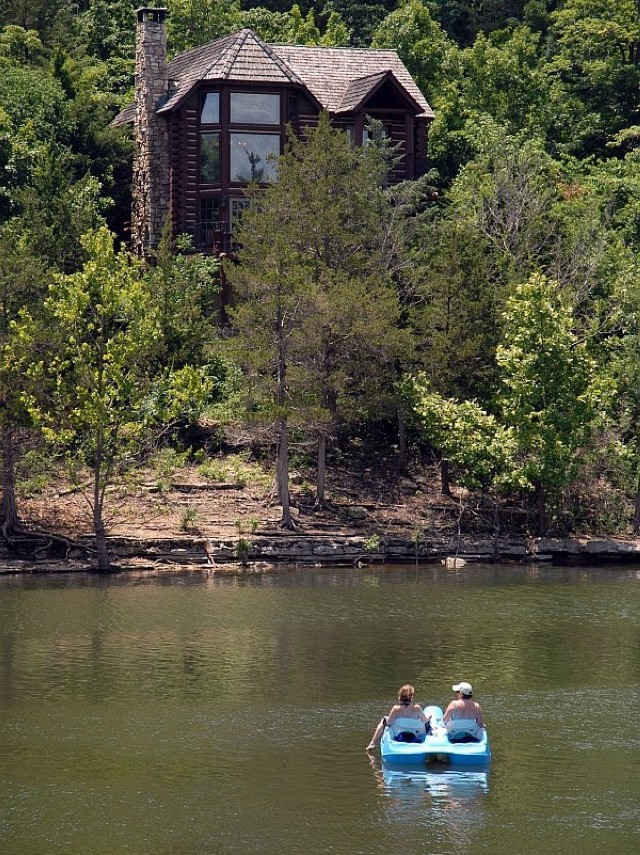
{"points": [[463, 688]]}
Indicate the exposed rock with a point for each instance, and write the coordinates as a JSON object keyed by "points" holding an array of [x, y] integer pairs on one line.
{"points": [[453, 563]]}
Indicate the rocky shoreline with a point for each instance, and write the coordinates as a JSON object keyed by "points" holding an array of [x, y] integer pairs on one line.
{"points": [[265, 552]]}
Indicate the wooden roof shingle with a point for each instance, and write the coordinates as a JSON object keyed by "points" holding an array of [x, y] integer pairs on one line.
{"points": [[337, 78], [328, 72]]}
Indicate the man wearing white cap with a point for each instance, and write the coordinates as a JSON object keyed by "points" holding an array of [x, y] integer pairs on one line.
{"points": [[463, 717]]}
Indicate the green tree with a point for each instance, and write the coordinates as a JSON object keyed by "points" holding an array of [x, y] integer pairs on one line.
{"points": [[294, 27], [421, 43], [514, 211], [23, 283], [272, 306], [362, 17], [192, 23], [551, 393], [31, 117], [184, 288], [598, 46], [20, 45], [481, 450], [317, 312], [504, 83], [465, 19], [51, 19], [89, 382], [456, 308]]}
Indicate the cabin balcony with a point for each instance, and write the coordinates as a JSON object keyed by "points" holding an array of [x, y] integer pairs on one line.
{"points": [[215, 238]]}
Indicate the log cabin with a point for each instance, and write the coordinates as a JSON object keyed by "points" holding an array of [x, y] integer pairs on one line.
{"points": [[207, 122]]}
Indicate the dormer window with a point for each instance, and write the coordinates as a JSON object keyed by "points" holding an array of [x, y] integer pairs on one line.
{"points": [[375, 134]]}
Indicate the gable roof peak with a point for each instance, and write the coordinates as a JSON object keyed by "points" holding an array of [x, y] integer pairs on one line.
{"points": [[337, 79]]}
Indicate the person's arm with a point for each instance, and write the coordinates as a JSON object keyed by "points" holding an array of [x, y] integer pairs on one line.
{"points": [[392, 715], [447, 713], [479, 717]]}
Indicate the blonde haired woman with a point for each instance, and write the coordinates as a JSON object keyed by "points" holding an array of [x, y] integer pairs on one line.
{"points": [[405, 708]]}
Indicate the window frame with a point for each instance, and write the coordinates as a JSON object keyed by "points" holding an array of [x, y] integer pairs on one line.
{"points": [[226, 189], [254, 123], [236, 182]]}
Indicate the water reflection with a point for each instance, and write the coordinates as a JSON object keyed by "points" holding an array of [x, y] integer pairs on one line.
{"points": [[435, 795], [199, 715]]}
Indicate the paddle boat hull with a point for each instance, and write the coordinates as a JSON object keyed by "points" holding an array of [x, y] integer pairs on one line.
{"points": [[436, 745]]}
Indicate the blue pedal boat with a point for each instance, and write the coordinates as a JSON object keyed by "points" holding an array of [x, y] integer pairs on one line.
{"points": [[406, 741]]}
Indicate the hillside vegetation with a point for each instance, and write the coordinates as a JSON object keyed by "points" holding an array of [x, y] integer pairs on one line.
{"points": [[483, 320]]}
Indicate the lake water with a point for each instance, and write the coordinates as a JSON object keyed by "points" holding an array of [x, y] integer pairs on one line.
{"points": [[189, 715]]}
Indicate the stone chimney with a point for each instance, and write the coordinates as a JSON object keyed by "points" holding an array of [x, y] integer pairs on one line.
{"points": [[151, 158]]}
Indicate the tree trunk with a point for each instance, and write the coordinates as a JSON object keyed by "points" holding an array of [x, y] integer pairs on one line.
{"points": [[322, 467], [102, 552], [636, 512], [496, 530], [403, 452], [541, 504], [444, 477], [100, 534], [282, 470], [282, 466], [9, 509]]}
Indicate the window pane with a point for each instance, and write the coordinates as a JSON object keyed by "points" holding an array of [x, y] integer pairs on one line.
{"points": [[209, 158], [210, 225], [211, 108], [254, 108], [375, 134], [249, 153], [236, 208]]}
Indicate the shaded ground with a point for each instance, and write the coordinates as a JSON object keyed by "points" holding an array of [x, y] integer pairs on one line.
{"points": [[234, 496], [174, 514]]}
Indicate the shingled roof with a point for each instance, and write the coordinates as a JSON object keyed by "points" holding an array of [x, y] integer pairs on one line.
{"points": [[337, 78], [359, 91], [241, 56], [328, 72]]}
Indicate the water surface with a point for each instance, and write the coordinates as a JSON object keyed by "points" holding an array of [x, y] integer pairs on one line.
{"points": [[201, 716]]}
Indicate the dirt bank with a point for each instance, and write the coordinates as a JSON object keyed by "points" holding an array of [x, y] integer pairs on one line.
{"points": [[190, 519]]}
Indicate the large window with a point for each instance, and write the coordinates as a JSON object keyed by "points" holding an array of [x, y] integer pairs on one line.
{"points": [[254, 108], [239, 142], [250, 157], [209, 158]]}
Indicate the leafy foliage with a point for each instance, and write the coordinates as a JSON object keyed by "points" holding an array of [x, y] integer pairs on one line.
{"points": [[315, 299], [505, 281], [551, 395], [480, 448]]}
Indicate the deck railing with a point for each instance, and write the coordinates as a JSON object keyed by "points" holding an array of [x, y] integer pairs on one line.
{"points": [[215, 237]]}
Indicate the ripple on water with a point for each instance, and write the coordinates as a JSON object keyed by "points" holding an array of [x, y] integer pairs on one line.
{"points": [[224, 716]]}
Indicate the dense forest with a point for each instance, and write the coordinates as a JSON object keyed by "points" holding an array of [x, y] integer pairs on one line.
{"points": [[486, 315]]}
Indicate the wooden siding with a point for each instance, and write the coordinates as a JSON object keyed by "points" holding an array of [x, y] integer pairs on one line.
{"points": [[405, 130], [178, 183], [191, 164]]}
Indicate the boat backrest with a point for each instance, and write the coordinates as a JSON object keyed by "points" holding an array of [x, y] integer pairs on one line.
{"points": [[460, 727], [408, 725]]}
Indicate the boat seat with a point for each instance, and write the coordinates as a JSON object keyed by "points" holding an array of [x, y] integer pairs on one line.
{"points": [[464, 730], [408, 730]]}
